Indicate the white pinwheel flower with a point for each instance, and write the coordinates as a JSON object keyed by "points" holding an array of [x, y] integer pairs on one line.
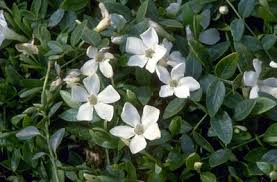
{"points": [[6, 33], [99, 59], [72, 78], [173, 8], [138, 129], [115, 20], [273, 64], [172, 59], [93, 100], [146, 50], [176, 83], [251, 79]]}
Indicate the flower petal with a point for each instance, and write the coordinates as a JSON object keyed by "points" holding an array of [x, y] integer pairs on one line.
{"points": [[272, 82], [108, 95], [173, 8], [182, 92], [254, 92], [160, 52], [104, 111], [151, 65], [2, 37], [270, 90], [189, 82], [3, 22], [175, 58], [150, 37], [152, 132], [79, 94], [166, 91], [135, 46], [92, 84], [257, 66], [150, 115], [163, 74], [137, 60], [125, 132], [89, 68], [92, 52], [137, 144], [130, 115], [178, 71], [85, 112], [250, 78], [273, 64], [106, 69], [168, 45]]}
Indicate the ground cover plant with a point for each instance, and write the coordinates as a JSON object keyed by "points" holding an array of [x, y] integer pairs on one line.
{"points": [[138, 90]]}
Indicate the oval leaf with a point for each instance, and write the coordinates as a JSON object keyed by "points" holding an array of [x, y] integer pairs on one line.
{"points": [[27, 133], [56, 139], [227, 66]]}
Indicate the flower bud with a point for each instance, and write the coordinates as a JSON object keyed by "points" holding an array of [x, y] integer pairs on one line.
{"points": [[118, 39], [106, 19], [273, 175], [197, 166], [273, 64], [72, 78], [223, 10], [236, 130], [189, 33], [55, 84]]}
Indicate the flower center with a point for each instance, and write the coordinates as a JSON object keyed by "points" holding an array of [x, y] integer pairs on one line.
{"points": [[92, 99], [139, 130], [149, 53], [163, 62], [173, 83], [99, 57]]}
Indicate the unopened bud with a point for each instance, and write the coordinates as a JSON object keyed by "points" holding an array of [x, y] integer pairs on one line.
{"points": [[273, 175], [197, 166], [55, 84], [236, 130], [223, 10], [117, 39]]}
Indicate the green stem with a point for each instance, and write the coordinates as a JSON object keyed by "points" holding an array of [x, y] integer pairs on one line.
{"points": [[112, 81], [12, 35], [43, 94], [247, 27], [107, 150], [199, 123], [247, 142], [72, 60]]}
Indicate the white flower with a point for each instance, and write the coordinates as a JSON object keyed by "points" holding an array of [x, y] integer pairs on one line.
{"points": [[6, 33], [28, 48], [72, 78], [147, 50], [92, 99], [99, 59], [115, 20], [224, 10], [138, 129], [172, 59], [251, 79], [173, 8], [176, 83], [273, 64]]}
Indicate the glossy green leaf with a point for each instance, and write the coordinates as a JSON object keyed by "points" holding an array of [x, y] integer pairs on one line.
{"points": [[227, 66]]}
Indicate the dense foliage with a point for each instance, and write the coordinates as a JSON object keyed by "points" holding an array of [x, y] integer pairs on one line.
{"points": [[138, 90]]}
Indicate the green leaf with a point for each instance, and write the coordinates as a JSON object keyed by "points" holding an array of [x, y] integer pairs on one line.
{"points": [[200, 53], [270, 135], [201, 141], [103, 138], [268, 41], [28, 133], [91, 37], [219, 157], [142, 11], [191, 159], [227, 66], [207, 177], [173, 107], [246, 7], [73, 5], [243, 109], [237, 29], [223, 127], [118, 8], [270, 156], [56, 139], [263, 104], [169, 23], [68, 99], [69, 115], [55, 18], [77, 33], [144, 94], [264, 167], [175, 125], [215, 96], [217, 50]]}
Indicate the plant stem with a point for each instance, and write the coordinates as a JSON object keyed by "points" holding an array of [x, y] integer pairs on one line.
{"points": [[247, 142], [72, 60], [47, 123], [248, 28], [199, 123], [107, 150], [112, 81]]}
